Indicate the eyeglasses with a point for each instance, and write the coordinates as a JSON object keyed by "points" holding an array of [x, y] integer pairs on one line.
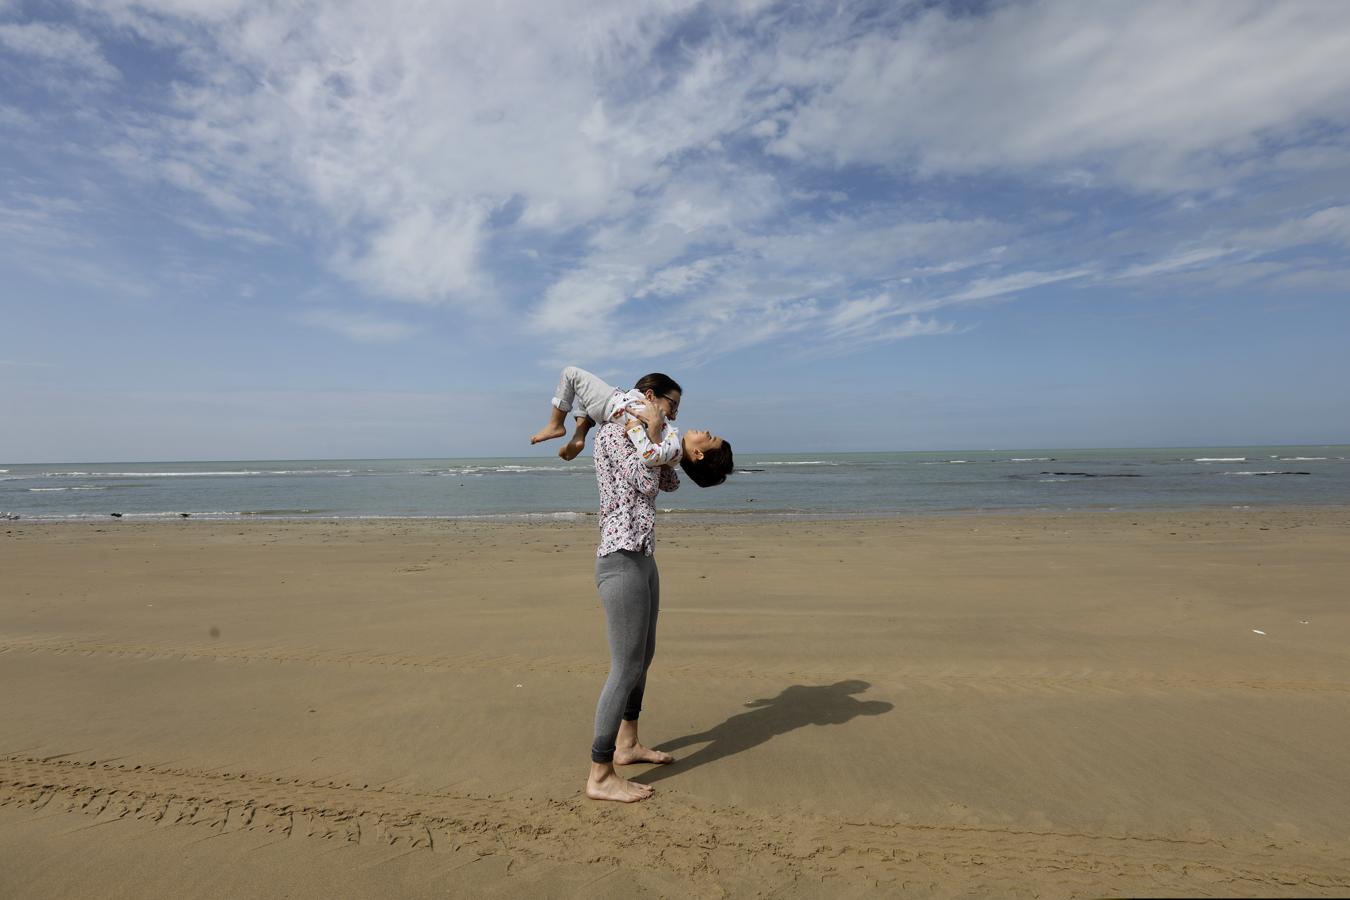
{"points": [[674, 403]]}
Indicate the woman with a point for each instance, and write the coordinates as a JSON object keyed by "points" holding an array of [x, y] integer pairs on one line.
{"points": [[629, 584]]}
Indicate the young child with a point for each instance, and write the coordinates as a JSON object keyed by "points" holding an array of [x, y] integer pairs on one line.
{"points": [[658, 442], [648, 408]]}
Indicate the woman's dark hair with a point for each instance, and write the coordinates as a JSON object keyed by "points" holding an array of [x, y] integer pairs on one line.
{"points": [[658, 384], [713, 468]]}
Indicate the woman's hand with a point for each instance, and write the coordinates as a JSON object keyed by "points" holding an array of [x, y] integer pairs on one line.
{"points": [[652, 419], [648, 415]]}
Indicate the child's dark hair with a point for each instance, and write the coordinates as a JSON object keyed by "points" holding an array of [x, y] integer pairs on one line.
{"points": [[658, 384], [713, 468]]}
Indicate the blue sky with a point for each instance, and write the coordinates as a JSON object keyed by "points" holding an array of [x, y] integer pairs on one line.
{"points": [[253, 230]]}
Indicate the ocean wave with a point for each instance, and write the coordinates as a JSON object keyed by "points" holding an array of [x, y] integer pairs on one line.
{"points": [[1220, 459], [460, 471], [145, 474], [1301, 458], [279, 512], [78, 487], [1032, 459], [1090, 474], [222, 474], [103, 516], [563, 516], [1265, 473], [796, 462]]}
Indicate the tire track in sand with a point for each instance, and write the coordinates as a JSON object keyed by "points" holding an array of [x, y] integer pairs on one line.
{"points": [[996, 683], [704, 843]]}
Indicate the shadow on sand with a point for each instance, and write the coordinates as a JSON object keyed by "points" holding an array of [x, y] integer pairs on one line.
{"points": [[796, 707]]}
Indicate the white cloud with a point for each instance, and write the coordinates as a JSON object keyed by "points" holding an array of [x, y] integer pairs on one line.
{"points": [[1187, 260], [13, 117], [1330, 225], [214, 232], [1148, 94], [58, 45], [633, 168], [359, 327], [422, 255], [871, 320], [987, 288]]}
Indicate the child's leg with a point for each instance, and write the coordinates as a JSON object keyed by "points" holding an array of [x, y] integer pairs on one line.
{"points": [[554, 429], [572, 448], [563, 395]]}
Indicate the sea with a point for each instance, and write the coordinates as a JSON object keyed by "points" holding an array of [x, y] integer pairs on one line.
{"points": [[768, 485]]}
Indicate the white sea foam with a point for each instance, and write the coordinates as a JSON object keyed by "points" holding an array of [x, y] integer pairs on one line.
{"points": [[1301, 458], [78, 487], [1255, 473], [223, 474], [1032, 459], [150, 474], [797, 462], [103, 517], [1220, 459], [510, 469]]}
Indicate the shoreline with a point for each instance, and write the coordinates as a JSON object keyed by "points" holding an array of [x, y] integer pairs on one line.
{"points": [[679, 515]]}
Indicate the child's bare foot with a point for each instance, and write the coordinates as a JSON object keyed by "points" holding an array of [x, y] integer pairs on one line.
{"points": [[572, 449], [548, 433], [611, 787], [627, 756]]}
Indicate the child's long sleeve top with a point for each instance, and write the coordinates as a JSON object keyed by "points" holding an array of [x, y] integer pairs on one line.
{"points": [[665, 452]]}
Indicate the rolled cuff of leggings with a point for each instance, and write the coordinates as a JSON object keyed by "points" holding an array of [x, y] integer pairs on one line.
{"points": [[602, 756]]}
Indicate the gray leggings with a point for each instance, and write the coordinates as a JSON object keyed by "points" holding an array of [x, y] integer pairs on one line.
{"points": [[630, 589]]}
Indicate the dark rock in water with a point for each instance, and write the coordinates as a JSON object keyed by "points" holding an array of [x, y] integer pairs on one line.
{"points": [[12, 517], [115, 515], [184, 515], [1098, 474]]}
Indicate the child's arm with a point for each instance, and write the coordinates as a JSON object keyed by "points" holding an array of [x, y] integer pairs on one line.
{"points": [[657, 443]]}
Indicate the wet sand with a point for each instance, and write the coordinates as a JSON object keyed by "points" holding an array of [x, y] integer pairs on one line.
{"points": [[1030, 705]]}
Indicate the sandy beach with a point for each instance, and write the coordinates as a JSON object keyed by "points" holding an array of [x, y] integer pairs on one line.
{"points": [[1047, 705]]}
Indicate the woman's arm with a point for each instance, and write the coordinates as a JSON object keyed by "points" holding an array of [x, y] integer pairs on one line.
{"points": [[613, 444]]}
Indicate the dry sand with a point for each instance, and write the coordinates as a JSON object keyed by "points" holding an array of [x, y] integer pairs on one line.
{"points": [[1034, 705]]}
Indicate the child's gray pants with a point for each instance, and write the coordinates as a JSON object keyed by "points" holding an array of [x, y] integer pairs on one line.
{"points": [[587, 392], [630, 589]]}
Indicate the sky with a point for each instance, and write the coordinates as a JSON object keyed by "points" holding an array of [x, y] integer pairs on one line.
{"points": [[252, 230]]}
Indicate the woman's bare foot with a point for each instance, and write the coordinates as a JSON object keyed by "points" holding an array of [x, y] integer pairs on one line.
{"points": [[548, 433], [605, 784], [572, 448], [627, 756]]}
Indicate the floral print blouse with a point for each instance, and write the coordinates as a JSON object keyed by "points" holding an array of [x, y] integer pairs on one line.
{"points": [[627, 493]]}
